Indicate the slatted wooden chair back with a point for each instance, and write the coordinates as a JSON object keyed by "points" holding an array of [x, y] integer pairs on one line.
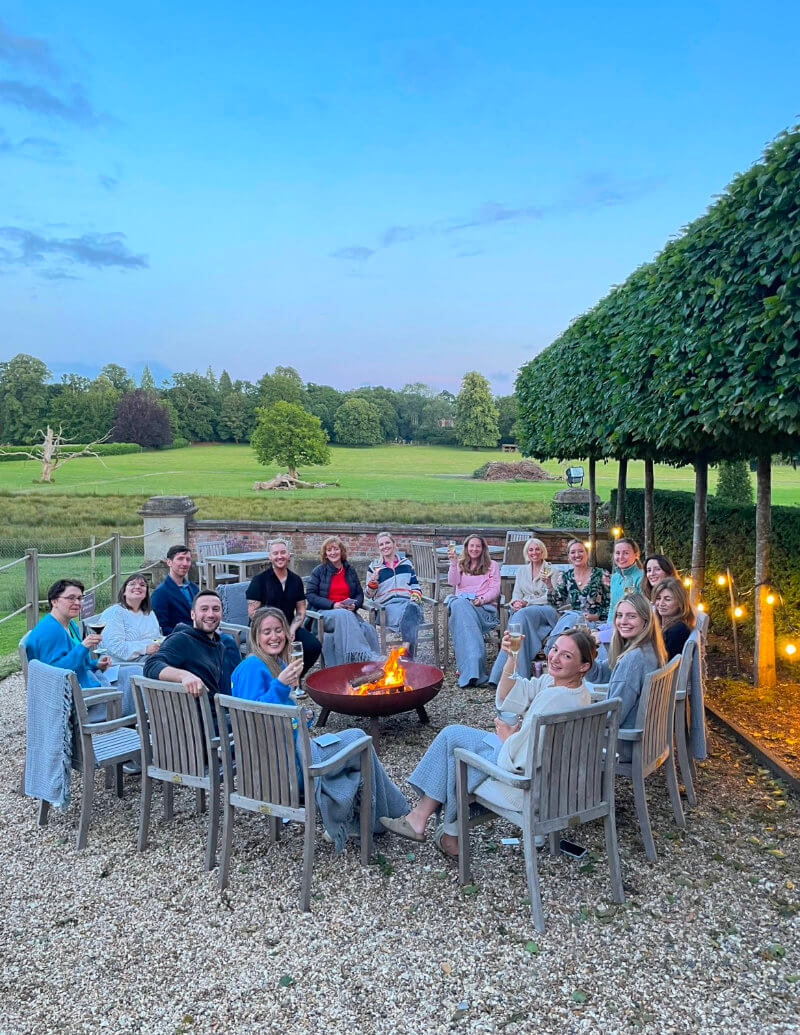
{"points": [[687, 660], [576, 779], [655, 715], [701, 624], [514, 550], [263, 746], [423, 557], [181, 731]]}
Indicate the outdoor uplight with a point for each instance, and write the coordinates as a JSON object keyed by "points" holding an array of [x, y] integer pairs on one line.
{"points": [[738, 612], [721, 580]]}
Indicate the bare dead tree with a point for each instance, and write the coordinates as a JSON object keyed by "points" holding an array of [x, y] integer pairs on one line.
{"points": [[54, 451]]}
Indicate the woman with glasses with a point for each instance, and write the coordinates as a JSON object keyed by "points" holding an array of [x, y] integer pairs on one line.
{"points": [[56, 640], [132, 629]]}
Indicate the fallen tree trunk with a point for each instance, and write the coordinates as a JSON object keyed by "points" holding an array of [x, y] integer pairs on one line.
{"points": [[285, 481]]}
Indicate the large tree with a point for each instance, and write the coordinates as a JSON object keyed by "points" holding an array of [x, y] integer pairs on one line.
{"points": [[358, 423], [237, 416], [476, 413], [287, 435], [23, 398], [140, 417], [284, 384], [195, 405]]}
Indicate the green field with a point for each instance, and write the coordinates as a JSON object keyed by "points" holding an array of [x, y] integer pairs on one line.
{"points": [[420, 474]]}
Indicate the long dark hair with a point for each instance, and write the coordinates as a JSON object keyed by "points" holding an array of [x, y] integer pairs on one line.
{"points": [[665, 564], [121, 595]]}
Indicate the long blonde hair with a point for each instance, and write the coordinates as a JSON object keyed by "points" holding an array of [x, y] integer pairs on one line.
{"points": [[484, 561], [649, 636], [254, 647]]}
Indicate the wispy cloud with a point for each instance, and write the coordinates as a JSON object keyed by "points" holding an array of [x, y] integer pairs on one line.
{"points": [[74, 107], [109, 183], [28, 52], [594, 192], [35, 149], [48, 254]]}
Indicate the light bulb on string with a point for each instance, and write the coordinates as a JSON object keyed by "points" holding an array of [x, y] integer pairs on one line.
{"points": [[721, 580], [700, 605], [790, 649], [587, 543], [687, 581], [738, 611], [616, 531], [770, 598]]}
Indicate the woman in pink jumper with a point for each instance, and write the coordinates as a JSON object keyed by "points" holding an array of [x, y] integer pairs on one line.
{"points": [[475, 579]]}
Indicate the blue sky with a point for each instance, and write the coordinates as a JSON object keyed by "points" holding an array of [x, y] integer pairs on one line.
{"points": [[367, 193]]}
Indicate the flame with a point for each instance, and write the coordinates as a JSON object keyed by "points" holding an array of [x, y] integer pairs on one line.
{"points": [[393, 679]]}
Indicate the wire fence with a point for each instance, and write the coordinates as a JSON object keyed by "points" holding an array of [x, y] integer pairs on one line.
{"points": [[101, 564]]}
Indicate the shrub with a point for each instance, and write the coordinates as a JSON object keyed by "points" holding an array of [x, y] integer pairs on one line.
{"points": [[734, 485], [731, 544]]}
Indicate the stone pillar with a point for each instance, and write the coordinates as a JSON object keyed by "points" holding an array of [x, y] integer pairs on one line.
{"points": [[166, 520]]}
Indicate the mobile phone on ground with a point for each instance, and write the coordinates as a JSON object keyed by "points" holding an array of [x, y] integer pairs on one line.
{"points": [[574, 851]]}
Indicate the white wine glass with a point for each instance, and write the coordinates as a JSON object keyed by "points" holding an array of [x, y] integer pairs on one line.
{"points": [[515, 636]]}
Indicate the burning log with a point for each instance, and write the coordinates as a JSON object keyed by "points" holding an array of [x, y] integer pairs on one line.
{"points": [[390, 678]]}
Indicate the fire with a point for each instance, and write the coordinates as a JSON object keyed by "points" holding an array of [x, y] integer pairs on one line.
{"points": [[392, 681]]}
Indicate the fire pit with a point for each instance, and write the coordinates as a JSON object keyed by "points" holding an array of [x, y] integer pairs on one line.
{"points": [[399, 688]]}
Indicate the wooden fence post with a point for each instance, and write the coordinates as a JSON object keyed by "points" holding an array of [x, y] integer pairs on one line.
{"points": [[116, 565], [31, 588]]}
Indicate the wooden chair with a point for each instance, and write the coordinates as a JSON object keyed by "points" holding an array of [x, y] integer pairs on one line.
{"points": [[573, 784], [685, 761], [652, 742], [212, 549], [423, 557], [179, 746], [102, 744], [265, 777], [377, 615], [495, 634], [513, 551]]}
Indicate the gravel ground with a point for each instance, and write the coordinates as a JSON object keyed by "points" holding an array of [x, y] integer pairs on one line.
{"points": [[126, 942]]}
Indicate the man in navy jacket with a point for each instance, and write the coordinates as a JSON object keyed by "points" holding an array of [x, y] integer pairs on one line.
{"points": [[172, 600]]}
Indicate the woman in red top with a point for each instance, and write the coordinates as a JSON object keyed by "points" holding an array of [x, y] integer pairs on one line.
{"points": [[334, 588]]}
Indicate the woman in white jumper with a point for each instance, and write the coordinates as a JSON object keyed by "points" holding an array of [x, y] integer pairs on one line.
{"points": [[434, 778], [131, 630]]}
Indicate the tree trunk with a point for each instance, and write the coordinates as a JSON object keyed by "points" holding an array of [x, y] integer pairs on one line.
{"points": [[699, 533], [765, 630], [592, 512], [622, 485], [649, 535], [293, 472], [47, 471]]}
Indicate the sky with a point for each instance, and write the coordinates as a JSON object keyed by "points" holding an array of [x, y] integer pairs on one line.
{"points": [[371, 193]]}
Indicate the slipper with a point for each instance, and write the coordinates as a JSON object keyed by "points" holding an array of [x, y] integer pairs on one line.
{"points": [[401, 827], [437, 840]]}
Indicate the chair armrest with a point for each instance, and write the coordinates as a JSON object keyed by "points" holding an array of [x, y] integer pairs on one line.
{"points": [[431, 600], [102, 697], [477, 762], [109, 725], [314, 615], [597, 696], [233, 627], [346, 752], [630, 735]]}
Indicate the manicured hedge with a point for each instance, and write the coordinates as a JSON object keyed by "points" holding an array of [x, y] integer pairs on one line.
{"points": [[731, 544], [103, 449]]}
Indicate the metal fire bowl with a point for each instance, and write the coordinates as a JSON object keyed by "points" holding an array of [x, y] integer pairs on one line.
{"points": [[327, 686]]}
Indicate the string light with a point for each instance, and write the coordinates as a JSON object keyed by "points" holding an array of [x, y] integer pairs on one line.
{"points": [[770, 598], [587, 543], [738, 612], [616, 531], [687, 581], [700, 605], [721, 580], [790, 649]]}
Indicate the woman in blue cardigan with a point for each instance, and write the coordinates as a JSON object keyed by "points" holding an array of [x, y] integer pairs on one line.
{"points": [[56, 639], [267, 674]]}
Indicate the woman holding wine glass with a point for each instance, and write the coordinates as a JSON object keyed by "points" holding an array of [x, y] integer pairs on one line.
{"points": [[475, 579], [131, 628], [335, 589], [270, 673], [57, 640], [581, 593], [530, 610]]}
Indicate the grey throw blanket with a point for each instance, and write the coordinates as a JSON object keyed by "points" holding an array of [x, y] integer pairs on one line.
{"points": [[338, 794], [48, 744], [697, 708]]}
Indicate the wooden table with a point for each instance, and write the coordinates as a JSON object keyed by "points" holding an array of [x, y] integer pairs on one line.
{"points": [[242, 563]]}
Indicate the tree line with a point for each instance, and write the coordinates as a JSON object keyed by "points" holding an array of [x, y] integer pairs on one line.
{"points": [[194, 407]]}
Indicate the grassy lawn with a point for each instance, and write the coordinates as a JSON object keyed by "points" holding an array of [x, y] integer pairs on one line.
{"points": [[422, 474]]}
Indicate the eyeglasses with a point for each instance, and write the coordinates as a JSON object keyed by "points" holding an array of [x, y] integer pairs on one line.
{"points": [[71, 599]]}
